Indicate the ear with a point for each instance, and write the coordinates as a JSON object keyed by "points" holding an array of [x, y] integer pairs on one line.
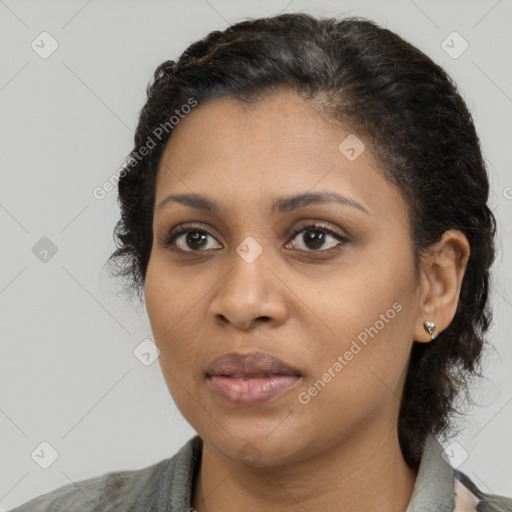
{"points": [[441, 274]]}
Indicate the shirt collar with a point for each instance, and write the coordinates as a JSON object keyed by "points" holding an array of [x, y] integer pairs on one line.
{"points": [[177, 483], [434, 487]]}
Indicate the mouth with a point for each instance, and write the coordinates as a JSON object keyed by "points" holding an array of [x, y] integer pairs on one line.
{"points": [[250, 379]]}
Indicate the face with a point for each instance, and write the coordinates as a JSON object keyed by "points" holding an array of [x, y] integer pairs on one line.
{"points": [[327, 286]]}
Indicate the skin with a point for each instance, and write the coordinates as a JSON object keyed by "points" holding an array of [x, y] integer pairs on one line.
{"points": [[306, 306]]}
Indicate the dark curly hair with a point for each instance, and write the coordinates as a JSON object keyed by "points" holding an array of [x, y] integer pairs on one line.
{"points": [[423, 136]]}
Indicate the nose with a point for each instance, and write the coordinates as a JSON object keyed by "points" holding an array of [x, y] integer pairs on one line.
{"points": [[250, 293]]}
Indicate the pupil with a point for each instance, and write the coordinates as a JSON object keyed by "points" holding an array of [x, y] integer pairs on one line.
{"points": [[195, 237], [317, 239]]}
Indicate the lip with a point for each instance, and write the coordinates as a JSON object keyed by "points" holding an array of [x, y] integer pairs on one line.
{"points": [[253, 363], [250, 379]]}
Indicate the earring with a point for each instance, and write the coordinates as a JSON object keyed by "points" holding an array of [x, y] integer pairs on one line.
{"points": [[430, 327]]}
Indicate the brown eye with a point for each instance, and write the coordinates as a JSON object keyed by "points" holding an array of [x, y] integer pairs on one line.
{"points": [[315, 236], [189, 239]]}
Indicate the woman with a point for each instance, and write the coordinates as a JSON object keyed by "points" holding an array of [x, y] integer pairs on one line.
{"points": [[305, 213]]}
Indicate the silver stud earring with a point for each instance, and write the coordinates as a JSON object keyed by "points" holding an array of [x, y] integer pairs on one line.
{"points": [[430, 327]]}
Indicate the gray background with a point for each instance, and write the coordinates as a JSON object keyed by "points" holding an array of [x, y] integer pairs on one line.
{"points": [[68, 374]]}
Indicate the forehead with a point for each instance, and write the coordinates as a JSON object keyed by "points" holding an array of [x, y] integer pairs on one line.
{"points": [[276, 146], [229, 129]]}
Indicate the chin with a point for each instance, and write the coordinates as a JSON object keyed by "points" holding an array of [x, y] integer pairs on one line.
{"points": [[258, 443]]}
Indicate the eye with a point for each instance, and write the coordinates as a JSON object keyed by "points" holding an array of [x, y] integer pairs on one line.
{"points": [[318, 233], [196, 239]]}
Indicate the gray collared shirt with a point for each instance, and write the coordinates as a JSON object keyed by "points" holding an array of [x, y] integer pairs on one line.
{"points": [[167, 487]]}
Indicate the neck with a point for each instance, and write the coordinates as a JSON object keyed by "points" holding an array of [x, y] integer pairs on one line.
{"points": [[359, 474]]}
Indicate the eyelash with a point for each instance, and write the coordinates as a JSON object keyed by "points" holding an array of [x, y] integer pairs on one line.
{"points": [[316, 226]]}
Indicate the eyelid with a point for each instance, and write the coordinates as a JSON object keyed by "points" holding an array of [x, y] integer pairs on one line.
{"points": [[320, 225]]}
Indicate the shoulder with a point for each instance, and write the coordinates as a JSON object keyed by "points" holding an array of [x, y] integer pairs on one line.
{"points": [[443, 488], [105, 493], [469, 497], [162, 487]]}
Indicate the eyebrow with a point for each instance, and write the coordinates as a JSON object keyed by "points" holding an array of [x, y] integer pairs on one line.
{"points": [[280, 205]]}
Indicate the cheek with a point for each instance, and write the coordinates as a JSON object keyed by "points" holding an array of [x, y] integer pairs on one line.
{"points": [[356, 380], [170, 307], [371, 318], [168, 295], [171, 316]]}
